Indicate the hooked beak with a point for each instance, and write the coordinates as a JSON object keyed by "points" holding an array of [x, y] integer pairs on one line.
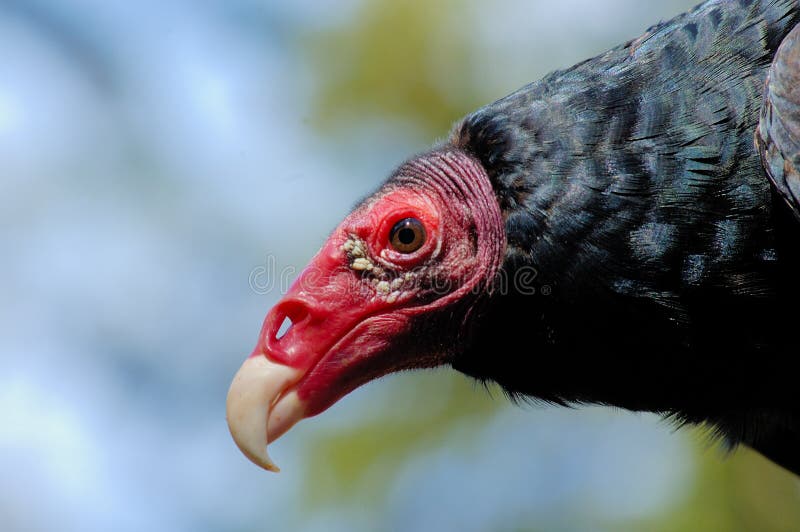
{"points": [[277, 385], [259, 409]]}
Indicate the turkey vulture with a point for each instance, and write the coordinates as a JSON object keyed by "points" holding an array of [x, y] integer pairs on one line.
{"points": [[623, 232]]}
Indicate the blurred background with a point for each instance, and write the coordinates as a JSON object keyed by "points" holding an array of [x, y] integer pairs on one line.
{"points": [[167, 167]]}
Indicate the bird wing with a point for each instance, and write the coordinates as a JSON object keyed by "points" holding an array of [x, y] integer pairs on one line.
{"points": [[778, 133]]}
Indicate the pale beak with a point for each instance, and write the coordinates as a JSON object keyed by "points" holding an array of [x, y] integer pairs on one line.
{"points": [[260, 406]]}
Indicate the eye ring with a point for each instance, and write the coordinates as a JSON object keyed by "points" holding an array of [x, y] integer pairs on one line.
{"points": [[407, 235]]}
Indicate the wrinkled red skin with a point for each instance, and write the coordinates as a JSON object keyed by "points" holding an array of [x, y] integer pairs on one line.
{"points": [[344, 330]]}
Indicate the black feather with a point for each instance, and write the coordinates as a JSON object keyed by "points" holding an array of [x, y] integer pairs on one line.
{"points": [[631, 184]]}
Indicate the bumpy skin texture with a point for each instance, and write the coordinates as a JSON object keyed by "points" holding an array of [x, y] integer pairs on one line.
{"points": [[631, 183]]}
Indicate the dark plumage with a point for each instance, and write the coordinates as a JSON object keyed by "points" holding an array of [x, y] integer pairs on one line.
{"points": [[606, 235], [632, 185]]}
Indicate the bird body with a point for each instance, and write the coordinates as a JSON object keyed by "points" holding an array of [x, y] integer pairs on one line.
{"points": [[632, 184], [608, 234]]}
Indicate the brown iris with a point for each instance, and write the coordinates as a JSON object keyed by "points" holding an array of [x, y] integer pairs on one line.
{"points": [[407, 235]]}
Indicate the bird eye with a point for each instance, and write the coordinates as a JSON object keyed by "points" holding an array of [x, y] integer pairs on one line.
{"points": [[407, 235]]}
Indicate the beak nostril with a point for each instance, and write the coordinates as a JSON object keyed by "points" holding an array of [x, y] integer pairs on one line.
{"points": [[289, 314], [284, 328]]}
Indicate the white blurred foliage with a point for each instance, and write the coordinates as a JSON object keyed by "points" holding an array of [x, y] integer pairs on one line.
{"points": [[517, 39], [538, 465], [50, 115]]}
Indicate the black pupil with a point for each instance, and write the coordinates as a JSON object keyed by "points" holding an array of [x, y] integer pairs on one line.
{"points": [[406, 235]]}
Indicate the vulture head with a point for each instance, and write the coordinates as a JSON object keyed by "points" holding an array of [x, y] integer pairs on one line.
{"points": [[395, 287]]}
